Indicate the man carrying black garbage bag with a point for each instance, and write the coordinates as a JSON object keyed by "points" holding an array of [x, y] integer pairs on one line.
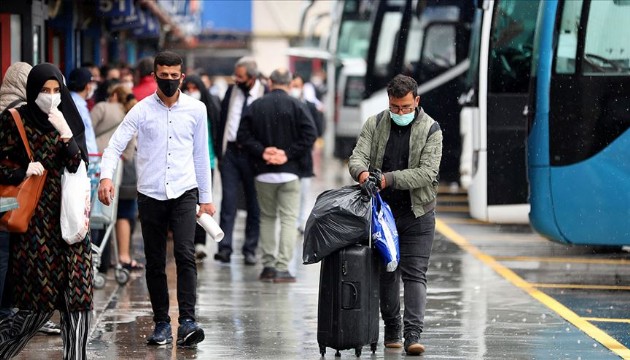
{"points": [[406, 144]]}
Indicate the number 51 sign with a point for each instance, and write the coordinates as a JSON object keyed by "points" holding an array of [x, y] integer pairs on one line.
{"points": [[111, 8]]}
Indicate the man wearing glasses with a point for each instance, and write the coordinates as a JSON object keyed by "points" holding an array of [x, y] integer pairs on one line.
{"points": [[406, 145], [173, 169]]}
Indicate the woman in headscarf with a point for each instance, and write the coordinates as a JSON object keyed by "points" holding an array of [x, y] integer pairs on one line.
{"points": [[46, 273]]}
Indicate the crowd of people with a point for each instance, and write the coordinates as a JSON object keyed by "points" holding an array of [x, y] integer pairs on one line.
{"points": [[172, 129]]}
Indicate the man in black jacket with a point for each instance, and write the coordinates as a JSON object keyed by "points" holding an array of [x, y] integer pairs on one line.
{"points": [[234, 163], [277, 131]]}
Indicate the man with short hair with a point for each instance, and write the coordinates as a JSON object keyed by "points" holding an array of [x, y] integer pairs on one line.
{"points": [[278, 132], [174, 175], [146, 84], [234, 163], [82, 87], [406, 145]]}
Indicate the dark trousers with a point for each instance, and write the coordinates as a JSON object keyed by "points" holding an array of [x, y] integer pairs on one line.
{"points": [[157, 217], [415, 237], [235, 168]]}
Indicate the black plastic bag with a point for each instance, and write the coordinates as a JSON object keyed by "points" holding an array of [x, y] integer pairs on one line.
{"points": [[340, 217]]}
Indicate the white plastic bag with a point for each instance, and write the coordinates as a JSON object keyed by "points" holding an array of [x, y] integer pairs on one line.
{"points": [[75, 205]]}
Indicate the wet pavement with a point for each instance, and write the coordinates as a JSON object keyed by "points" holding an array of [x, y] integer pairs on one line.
{"points": [[476, 309]]}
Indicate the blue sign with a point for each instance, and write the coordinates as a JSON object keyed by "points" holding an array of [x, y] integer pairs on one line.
{"points": [[150, 27], [111, 8], [130, 21]]}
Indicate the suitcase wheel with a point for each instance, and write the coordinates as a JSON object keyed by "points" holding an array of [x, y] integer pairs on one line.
{"points": [[373, 347], [337, 354], [322, 350], [357, 351]]}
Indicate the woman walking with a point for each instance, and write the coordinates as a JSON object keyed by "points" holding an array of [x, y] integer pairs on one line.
{"points": [[47, 274]]}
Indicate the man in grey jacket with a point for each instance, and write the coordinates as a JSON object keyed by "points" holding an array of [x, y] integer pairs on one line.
{"points": [[406, 145]]}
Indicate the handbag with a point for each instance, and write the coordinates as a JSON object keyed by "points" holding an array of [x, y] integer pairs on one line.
{"points": [[27, 192], [384, 233], [75, 204]]}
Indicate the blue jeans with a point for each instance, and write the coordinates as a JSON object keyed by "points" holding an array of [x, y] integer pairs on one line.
{"points": [[157, 217], [415, 237], [235, 168]]}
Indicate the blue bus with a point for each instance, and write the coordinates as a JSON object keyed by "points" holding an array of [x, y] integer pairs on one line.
{"points": [[579, 114]]}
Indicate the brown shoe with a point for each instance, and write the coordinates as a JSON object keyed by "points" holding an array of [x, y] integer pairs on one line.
{"points": [[284, 277], [393, 344], [412, 345]]}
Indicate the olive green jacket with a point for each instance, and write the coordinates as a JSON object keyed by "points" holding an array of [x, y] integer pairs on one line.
{"points": [[425, 153]]}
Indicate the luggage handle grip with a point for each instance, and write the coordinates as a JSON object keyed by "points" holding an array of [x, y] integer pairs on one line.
{"points": [[355, 296]]}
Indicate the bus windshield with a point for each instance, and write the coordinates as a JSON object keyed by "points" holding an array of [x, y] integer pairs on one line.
{"points": [[355, 29]]}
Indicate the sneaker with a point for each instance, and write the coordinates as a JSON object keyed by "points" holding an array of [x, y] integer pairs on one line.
{"points": [[412, 344], [189, 333], [284, 277], [50, 328], [161, 334], [200, 251], [222, 256], [392, 338], [268, 274], [250, 259]]}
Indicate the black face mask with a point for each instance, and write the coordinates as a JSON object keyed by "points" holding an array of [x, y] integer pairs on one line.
{"points": [[168, 87], [243, 86]]}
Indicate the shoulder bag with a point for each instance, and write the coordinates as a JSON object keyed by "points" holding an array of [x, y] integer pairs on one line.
{"points": [[27, 193]]}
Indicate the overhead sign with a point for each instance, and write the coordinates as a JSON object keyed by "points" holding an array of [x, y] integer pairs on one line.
{"points": [[131, 21], [111, 8]]}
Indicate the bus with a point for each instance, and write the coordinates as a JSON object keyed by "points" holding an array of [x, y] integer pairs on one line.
{"points": [[492, 121], [348, 46], [429, 41], [579, 142]]}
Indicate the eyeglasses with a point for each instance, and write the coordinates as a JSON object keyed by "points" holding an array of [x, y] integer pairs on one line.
{"points": [[405, 109]]}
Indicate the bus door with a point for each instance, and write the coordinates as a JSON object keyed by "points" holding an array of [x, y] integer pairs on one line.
{"points": [[498, 188]]}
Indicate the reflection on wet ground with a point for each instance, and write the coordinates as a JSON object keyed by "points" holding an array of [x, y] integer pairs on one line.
{"points": [[472, 312]]}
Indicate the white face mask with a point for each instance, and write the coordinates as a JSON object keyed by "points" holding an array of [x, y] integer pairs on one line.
{"points": [[296, 93], [93, 88], [128, 84], [47, 102], [195, 95]]}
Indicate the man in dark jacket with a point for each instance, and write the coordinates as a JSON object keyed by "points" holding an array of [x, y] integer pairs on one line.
{"points": [[277, 131], [234, 163]]}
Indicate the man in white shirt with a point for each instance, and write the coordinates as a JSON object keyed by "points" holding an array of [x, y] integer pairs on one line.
{"points": [[82, 86], [173, 169]]}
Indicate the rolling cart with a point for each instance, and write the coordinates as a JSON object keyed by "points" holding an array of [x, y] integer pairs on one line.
{"points": [[104, 218]]}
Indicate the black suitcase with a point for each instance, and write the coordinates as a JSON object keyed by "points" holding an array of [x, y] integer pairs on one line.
{"points": [[348, 308]]}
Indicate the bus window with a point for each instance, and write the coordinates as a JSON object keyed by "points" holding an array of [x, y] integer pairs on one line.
{"points": [[512, 40], [386, 42], [603, 51], [567, 39], [354, 39], [416, 33], [438, 52]]}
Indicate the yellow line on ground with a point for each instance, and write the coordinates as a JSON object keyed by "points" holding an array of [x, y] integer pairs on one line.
{"points": [[577, 260], [588, 328], [576, 286], [627, 321]]}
